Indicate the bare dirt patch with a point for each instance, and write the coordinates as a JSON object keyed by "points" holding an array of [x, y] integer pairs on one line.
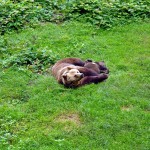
{"points": [[69, 117], [126, 108], [147, 111]]}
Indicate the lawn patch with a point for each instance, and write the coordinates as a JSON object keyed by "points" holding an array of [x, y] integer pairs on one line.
{"points": [[38, 113]]}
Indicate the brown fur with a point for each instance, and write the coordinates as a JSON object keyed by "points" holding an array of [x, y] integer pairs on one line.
{"points": [[98, 67], [72, 67], [62, 67]]}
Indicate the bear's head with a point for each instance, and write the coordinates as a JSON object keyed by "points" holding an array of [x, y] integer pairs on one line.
{"points": [[102, 67], [71, 76], [98, 67]]}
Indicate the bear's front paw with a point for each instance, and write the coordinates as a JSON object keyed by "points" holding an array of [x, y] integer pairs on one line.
{"points": [[102, 77]]}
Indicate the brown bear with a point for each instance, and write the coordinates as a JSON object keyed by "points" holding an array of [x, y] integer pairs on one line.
{"points": [[72, 73], [98, 67]]}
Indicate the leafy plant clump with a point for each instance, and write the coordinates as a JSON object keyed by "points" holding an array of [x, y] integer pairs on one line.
{"points": [[36, 61], [108, 14], [17, 14]]}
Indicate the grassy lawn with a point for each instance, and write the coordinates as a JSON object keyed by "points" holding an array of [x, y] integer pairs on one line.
{"points": [[36, 113]]}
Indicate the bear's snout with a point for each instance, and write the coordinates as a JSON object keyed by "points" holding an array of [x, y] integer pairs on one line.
{"points": [[79, 75], [82, 75]]}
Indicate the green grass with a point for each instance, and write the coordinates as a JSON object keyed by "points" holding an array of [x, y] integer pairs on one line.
{"points": [[38, 113]]}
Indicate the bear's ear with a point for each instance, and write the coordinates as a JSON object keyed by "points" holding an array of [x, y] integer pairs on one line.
{"points": [[69, 68], [88, 60], [64, 78]]}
